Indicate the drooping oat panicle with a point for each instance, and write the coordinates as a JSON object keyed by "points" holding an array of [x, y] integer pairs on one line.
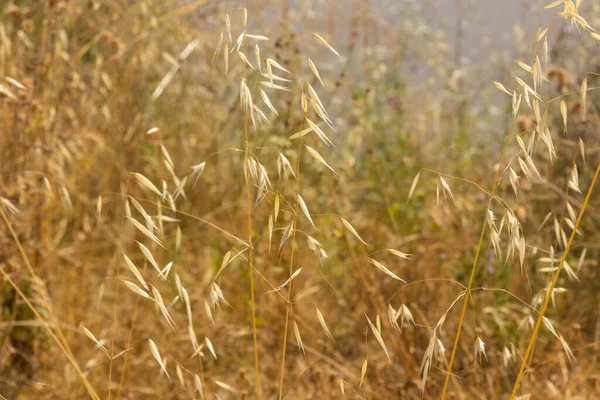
{"points": [[363, 371]]}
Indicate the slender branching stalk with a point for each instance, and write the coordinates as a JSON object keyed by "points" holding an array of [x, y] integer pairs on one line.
{"points": [[476, 259], [288, 305], [250, 248], [548, 296]]}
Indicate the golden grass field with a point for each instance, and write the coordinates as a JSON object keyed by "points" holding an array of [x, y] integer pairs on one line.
{"points": [[297, 199]]}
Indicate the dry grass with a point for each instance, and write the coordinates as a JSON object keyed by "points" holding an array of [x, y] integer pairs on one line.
{"points": [[213, 199]]}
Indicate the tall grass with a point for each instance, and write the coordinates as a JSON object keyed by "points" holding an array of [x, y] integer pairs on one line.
{"points": [[283, 200]]}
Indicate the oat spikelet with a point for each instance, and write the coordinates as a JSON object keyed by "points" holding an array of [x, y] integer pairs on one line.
{"points": [[198, 385], [90, 335], [284, 284], [299, 339], [323, 324], [210, 347], [146, 252], [227, 387], [413, 186], [584, 98], [147, 184], [400, 254], [327, 45], [131, 266], [353, 231], [156, 354], [378, 336], [305, 210], [563, 113], [363, 371], [385, 270], [315, 71], [146, 232], [315, 154], [136, 289]]}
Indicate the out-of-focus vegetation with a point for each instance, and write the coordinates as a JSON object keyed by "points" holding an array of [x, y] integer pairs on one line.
{"points": [[214, 199]]}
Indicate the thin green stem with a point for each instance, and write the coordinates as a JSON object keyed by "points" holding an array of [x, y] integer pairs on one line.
{"points": [[475, 260]]}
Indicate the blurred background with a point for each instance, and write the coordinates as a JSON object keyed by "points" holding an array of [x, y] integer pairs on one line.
{"points": [[121, 124]]}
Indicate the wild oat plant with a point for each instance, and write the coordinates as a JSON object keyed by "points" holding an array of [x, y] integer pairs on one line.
{"points": [[206, 199]]}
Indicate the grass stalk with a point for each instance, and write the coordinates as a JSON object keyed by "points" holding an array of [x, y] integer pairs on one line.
{"points": [[548, 296], [250, 248], [476, 259]]}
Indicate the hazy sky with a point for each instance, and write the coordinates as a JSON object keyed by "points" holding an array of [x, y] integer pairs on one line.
{"points": [[489, 23]]}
